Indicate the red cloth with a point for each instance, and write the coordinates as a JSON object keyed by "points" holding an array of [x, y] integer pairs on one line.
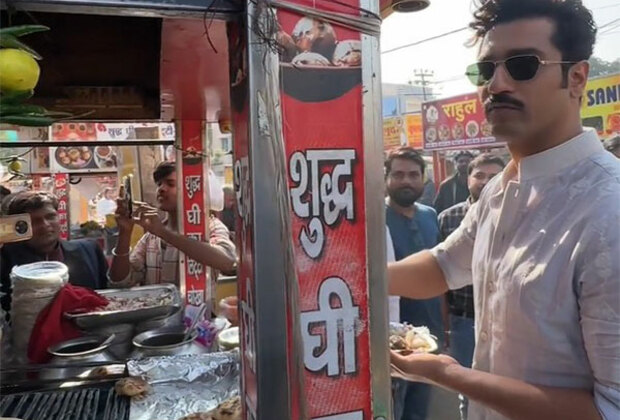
{"points": [[52, 327]]}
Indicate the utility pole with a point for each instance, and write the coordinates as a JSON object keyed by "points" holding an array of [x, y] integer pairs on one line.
{"points": [[424, 79]]}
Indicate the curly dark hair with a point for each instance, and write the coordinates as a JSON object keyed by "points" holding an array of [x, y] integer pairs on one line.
{"points": [[575, 29], [27, 201], [406, 153]]}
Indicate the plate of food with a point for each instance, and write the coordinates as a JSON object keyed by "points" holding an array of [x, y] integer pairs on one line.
{"points": [[105, 157], [74, 157], [458, 131], [486, 129], [431, 135], [472, 129], [407, 339], [444, 132]]}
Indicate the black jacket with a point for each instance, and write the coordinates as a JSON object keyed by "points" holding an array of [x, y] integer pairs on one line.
{"points": [[451, 192], [84, 259]]}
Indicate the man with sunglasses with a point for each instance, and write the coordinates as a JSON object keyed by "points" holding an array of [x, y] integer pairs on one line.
{"points": [[542, 245]]}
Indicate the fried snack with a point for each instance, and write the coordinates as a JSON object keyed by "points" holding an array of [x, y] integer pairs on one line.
{"points": [[227, 410], [198, 416], [408, 339], [136, 388], [310, 59], [348, 54], [311, 35]]}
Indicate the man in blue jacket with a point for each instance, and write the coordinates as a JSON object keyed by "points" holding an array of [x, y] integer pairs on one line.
{"points": [[84, 258], [413, 228]]}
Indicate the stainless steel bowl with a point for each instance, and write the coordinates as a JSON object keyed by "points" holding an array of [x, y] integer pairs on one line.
{"points": [[75, 352], [121, 347], [166, 342]]}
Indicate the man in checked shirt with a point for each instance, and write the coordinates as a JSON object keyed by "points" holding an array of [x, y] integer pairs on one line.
{"points": [[461, 302]]}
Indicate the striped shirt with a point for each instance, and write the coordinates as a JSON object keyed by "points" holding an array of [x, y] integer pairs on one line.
{"points": [[153, 261]]}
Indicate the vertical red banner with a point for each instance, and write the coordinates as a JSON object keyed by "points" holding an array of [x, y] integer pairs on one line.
{"points": [[244, 225], [192, 209], [322, 106], [61, 190]]}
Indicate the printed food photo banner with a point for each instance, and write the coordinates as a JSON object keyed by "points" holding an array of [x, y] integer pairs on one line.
{"points": [[456, 123]]}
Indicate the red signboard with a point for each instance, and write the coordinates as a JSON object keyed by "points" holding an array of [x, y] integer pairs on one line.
{"points": [[456, 123], [192, 210], [61, 190], [323, 133]]}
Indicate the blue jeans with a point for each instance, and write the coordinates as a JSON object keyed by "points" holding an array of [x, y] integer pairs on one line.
{"points": [[462, 342], [410, 400], [399, 390]]}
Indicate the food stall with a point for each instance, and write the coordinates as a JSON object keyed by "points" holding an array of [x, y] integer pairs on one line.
{"points": [[298, 83]]}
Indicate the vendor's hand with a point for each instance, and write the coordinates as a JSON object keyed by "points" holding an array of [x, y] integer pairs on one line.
{"points": [[229, 308], [428, 366], [123, 221], [148, 218]]}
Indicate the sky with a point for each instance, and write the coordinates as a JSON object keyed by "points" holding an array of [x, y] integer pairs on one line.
{"points": [[447, 57]]}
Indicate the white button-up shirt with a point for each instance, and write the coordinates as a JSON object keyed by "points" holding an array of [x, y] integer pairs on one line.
{"points": [[542, 246]]}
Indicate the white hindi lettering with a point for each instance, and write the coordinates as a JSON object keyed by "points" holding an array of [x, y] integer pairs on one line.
{"points": [[321, 197], [323, 351], [249, 326], [193, 214], [195, 236], [194, 268], [192, 185], [196, 297]]}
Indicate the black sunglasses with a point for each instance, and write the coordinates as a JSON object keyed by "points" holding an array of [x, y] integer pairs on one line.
{"points": [[520, 68]]}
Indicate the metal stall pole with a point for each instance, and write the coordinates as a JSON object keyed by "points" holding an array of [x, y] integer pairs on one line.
{"points": [[310, 196]]}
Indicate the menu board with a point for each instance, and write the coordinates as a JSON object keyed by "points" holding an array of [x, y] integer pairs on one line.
{"points": [[456, 123]]}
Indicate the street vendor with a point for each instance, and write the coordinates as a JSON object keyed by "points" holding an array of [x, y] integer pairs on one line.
{"points": [[84, 258], [155, 258]]}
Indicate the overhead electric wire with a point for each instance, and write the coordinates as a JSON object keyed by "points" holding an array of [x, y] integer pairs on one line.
{"points": [[425, 40]]}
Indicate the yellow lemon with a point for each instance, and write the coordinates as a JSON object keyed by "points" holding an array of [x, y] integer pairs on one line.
{"points": [[18, 70], [15, 166]]}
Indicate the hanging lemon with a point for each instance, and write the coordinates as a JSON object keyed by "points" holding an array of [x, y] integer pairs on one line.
{"points": [[15, 166], [19, 71]]}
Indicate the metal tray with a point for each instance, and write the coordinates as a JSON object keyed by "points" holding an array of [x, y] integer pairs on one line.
{"points": [[92, 320]]}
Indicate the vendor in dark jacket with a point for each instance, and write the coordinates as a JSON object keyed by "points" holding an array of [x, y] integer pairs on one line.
{"points": [[84, 258]]}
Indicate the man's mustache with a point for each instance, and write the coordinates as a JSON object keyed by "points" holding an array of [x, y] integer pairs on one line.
{"points": [[502, 99]]}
